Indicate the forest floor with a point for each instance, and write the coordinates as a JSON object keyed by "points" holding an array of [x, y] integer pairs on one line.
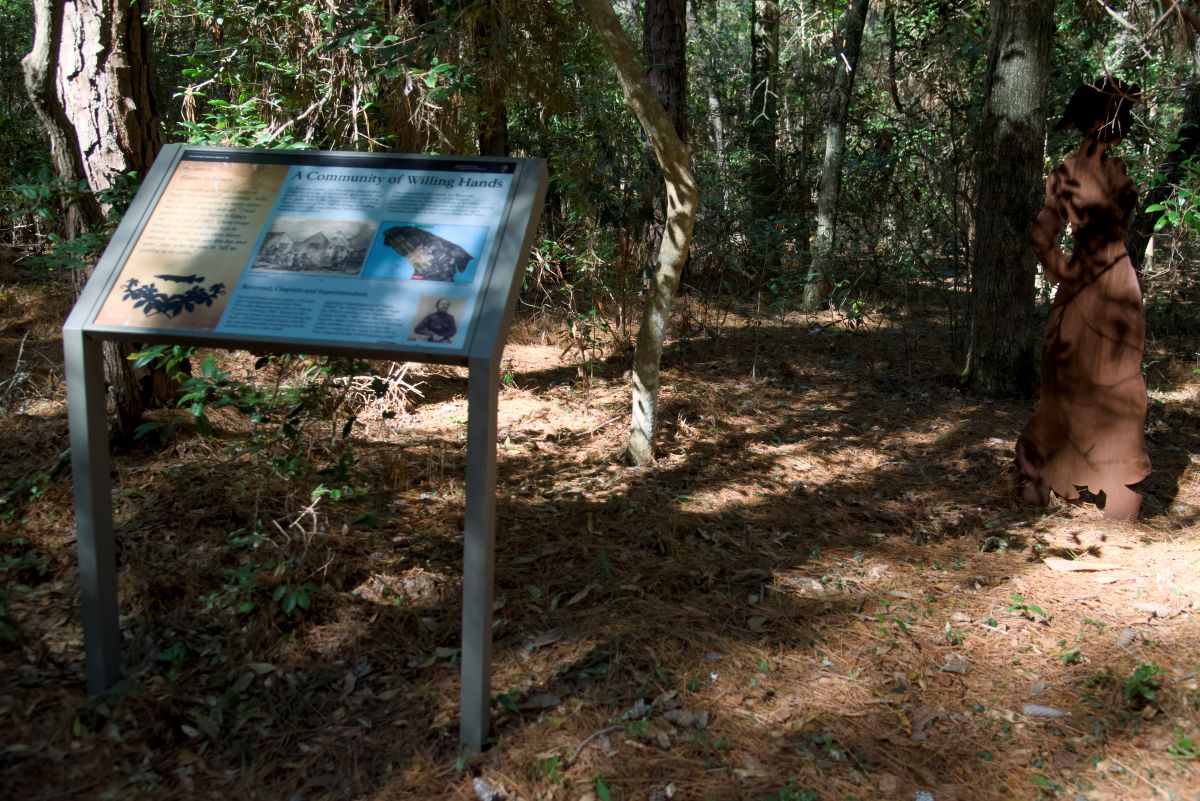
{"points": [[822, 590]]}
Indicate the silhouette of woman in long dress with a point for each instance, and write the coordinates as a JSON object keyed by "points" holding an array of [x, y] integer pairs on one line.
{"points": [[1088, 430]]}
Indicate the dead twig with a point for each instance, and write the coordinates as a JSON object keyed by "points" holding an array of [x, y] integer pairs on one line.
{"points": [[594, 735], [24, 483], [17, 377], [605, 424]]}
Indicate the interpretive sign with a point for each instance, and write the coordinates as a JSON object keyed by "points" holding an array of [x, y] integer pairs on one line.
{"points": [[370, 252], [401, 257]]}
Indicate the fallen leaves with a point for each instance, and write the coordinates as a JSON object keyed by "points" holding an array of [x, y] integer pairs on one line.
{"points": [[954, 664], [1076, 565], [1153, 609], [625, 590], [1041, 711]]}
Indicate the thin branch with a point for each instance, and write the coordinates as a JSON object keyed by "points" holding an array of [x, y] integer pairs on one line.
{"points": [[17, 377], [589, 738]]}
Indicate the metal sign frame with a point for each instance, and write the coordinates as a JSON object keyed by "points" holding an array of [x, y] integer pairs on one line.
{"points": [[480, 350]]}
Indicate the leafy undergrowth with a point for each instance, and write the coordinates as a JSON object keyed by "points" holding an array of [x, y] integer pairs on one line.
{"points": [[822, 590]]}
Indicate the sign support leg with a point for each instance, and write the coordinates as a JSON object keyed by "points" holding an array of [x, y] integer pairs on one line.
{"points": [[479, 547], [84, 364]]}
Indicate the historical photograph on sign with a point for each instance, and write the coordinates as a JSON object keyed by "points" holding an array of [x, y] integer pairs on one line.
{"points": [[426, 252], [327, 247], [436, 320]]}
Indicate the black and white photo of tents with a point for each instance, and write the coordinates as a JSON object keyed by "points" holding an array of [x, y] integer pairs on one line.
{"points": [[329, 247]]}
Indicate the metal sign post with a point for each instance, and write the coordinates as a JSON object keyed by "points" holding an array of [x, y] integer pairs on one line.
{"points": [[385, 256], [479, 548]]}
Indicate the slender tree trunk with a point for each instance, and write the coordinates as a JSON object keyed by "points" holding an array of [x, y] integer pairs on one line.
{"points": [[396, 118], [893, 89], [819, 281], [89, 77], [664, 47], [716, 122], [493, 127], [764, 122], [682, 201], [1001, 344]]}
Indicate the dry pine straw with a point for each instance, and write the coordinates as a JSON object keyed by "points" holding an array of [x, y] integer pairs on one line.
{"points": [[801, 572]]}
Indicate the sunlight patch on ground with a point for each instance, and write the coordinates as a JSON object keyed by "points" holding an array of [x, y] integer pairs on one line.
{"points": [[822, 577]]}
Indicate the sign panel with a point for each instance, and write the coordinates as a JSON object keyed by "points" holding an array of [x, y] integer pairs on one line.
{"points": [[350, 250], [373, 255]]}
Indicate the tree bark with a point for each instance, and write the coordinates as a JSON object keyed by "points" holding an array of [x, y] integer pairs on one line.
{"points": [[819, 281], [1001, 343], [664, 47], [893, 89], [493, 125], [764, 121], [716, 121], [89, 77], [41, 71], [104, 85], [682, 200]]}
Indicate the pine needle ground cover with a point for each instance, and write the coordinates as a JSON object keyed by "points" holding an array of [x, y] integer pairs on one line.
{"points": [[821, 590]]}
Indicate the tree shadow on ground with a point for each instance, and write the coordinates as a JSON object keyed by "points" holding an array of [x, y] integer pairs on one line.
{"points": [[762, 554]]}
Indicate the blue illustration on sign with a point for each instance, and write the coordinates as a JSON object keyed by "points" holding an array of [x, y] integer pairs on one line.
{"points": [[426, 252]]}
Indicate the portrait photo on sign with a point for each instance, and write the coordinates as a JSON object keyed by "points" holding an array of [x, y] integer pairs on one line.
{"points": [[423, 252], [324, 247], [437, 321]]}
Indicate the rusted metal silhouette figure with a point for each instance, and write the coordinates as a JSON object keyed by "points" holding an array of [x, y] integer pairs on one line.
{"points": [[1088, 430]]}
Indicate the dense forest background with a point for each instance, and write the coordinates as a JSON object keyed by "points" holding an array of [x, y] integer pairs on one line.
{"points": [[530, 79], [821, 587]]}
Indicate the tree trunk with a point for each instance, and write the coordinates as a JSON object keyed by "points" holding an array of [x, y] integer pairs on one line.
{"points": [[893, 89], [1001, 343], [493, 125], [104, 85], [89, 77], [682, 200], [41, 71], [716, 122], [764, 120], [664, 46], [819, 282]]}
